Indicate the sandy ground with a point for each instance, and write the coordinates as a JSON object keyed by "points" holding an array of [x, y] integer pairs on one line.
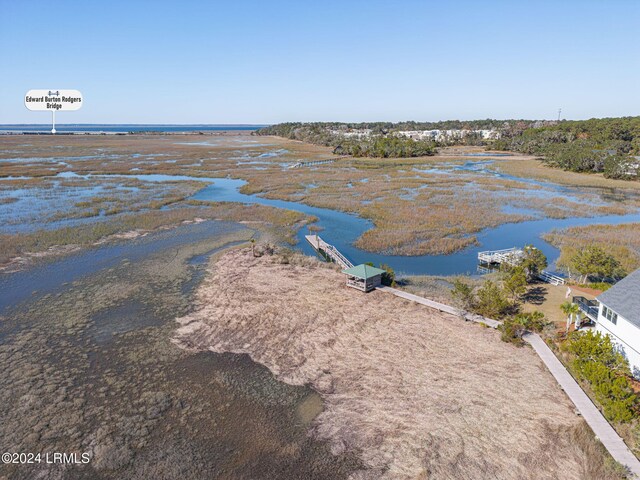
{"points": [[548, 299], [416, 393]]}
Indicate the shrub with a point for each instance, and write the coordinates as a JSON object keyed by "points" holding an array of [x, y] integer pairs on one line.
{"points": [[462, 294], [492, 301], [515, 282], [389, 277], [512, 331], [605, 369], [515, 327], [602, 286]]}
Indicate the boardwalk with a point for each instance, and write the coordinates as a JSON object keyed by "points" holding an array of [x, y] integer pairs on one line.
{"points": [[316, 162], [605, 432], [329, 250], [442, 307]]}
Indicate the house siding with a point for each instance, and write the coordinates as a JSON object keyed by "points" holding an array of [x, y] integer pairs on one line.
{"points": [[625, 335]]}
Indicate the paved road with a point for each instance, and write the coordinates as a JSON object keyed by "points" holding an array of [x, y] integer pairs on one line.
{"points": [[605, 432]]}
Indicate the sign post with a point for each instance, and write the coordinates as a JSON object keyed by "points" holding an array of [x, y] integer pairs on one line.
{"points": [[53, 100]]}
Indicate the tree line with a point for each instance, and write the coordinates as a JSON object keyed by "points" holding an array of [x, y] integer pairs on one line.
{"points": [[600, 145]]}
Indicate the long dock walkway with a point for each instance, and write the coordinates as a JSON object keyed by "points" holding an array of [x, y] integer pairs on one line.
{"points": [[312, 163], [602, 429], [332, 252]]}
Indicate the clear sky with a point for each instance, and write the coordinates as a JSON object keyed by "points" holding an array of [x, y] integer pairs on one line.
{"points": [[238, 61]]}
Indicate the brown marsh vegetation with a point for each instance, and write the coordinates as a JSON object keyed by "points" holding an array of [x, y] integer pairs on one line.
{"points": [[25, 247], [621, 241], [415, 393], [418, 206], [89, 368]]}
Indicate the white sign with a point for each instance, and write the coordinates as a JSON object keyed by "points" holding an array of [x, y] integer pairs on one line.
{"points": [[53, 101], [58, 100]]}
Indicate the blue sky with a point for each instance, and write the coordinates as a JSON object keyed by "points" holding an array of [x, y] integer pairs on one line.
{"points": [[271, 61]]}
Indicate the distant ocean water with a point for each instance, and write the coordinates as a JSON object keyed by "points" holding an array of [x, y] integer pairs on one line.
{"points": [[123, 128]]}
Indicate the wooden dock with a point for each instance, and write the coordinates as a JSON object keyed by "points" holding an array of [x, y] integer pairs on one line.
{"points": [[317, 162], [328, 250], [512, 256]]}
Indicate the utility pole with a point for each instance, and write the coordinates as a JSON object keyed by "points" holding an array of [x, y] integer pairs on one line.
{"points": [[559, 112]]}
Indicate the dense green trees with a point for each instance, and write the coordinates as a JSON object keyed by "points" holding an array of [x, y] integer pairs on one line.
{"points": [[593, 262], [533, 262], [597, 361], [385, 147], [599, 145], [380, 143]]}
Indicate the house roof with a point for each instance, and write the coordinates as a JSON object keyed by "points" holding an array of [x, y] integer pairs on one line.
{"points": [[363, 271], [624, 298]]}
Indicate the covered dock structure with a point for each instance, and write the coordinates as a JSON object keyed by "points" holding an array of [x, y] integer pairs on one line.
{"points": [[364, 277]]}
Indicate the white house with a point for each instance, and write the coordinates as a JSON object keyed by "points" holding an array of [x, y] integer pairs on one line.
{"points": [[619, 317]]}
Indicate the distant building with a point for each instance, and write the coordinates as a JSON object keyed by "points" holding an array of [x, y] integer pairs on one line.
{"points": [[364, 277], [619, 317], [443, 135]]}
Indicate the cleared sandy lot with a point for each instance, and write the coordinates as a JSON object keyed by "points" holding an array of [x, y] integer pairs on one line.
{"points": [[417, 393]]}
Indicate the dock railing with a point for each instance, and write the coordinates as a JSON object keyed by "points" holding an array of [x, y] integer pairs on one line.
{"points": [[512, 256], [508, 255], [343, 260], [329, 250], [551, 278]]}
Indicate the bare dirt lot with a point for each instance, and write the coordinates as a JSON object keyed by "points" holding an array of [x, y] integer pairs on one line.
{"points": [[415, 393]]}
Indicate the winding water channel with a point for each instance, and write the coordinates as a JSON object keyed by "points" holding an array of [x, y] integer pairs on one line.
{"points": [[338, 228], [342, 229]]}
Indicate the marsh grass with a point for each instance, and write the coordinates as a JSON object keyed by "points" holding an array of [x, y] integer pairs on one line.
{"points": [[395, 390], [621, 241], [414, 206], [283, 224]]}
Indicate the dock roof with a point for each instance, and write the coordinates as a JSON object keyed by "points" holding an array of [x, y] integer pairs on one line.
{"points": [[624, 298], [363, 271]]}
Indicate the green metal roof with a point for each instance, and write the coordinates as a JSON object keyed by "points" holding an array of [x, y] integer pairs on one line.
{"points": [[363, 271]]}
